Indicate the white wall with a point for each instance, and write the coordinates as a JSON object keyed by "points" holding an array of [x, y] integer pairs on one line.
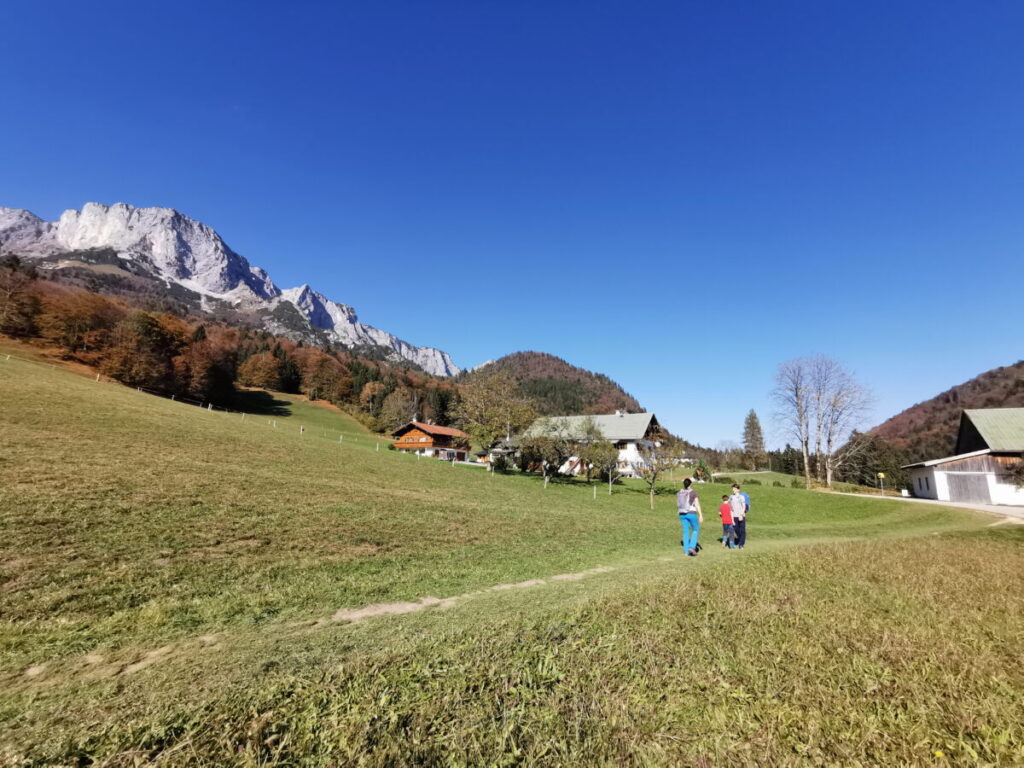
{"points": [[931, 490], [628, 456], [1000, 490], [1004, 492]]}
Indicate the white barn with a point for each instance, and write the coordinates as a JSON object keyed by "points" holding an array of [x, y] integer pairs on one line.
{"points": [[989, 444]]}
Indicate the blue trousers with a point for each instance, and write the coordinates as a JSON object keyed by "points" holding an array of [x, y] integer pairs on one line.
{"points": [[691, 528], [729, 536], [741, 532]]}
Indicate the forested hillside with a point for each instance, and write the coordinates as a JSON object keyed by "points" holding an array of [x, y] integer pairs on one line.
{"points": [[193, 356], [928, 430], [558, 388]]}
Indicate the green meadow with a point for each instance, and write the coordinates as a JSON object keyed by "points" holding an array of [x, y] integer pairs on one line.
{"points": [[190, 587]]}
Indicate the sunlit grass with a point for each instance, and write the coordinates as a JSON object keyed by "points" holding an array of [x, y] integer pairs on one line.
{"points": [[168, 575]]}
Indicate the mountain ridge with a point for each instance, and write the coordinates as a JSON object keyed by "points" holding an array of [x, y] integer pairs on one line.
{"points": [[927, 430], [165, 245]]}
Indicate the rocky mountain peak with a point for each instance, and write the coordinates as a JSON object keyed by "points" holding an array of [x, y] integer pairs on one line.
{"points": [[177, 250]]}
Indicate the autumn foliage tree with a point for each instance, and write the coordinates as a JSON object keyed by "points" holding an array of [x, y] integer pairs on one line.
{"points": [[603, 456], [80, 322], [19, 302], [492, 409], [142, 352], [201, 358], [398, 408]]}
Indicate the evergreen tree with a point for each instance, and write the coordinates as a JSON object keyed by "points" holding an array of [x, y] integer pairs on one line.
{"points": [[753, 440]]}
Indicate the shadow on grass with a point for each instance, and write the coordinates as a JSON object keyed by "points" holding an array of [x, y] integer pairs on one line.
{"points": [[261, 402]]}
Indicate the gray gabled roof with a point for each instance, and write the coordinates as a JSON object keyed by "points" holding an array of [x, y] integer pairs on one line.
{"points": [[614, 427], [1002, 429]]}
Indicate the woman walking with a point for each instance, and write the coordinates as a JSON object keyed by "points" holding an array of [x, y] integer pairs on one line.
{"points": [[690, 516]]}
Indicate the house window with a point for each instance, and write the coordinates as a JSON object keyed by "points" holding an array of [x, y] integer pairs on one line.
{"points": [[920, 486], [927, 485], [423, 439]]}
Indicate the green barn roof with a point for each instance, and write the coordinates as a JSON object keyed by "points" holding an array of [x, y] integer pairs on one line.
{"points": [[1001, 429]]}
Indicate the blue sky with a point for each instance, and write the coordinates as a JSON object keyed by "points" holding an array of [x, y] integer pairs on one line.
{"points": [[678, 195]]}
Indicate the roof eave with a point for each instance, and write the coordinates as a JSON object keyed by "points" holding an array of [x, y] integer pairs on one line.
{"points": [[947, 459]]}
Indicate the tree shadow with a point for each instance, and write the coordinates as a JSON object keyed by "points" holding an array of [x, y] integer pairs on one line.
{"points": [[261, 402]]}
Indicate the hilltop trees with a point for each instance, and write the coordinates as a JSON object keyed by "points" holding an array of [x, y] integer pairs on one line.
{"points": [[753, 440], [556, 388]]}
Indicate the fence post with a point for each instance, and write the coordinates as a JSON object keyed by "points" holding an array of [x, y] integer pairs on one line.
{"points": [[172, 397], [378, 446], [97, 375]]}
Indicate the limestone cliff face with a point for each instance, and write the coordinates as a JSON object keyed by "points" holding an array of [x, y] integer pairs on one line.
{"points": [[178, 250]]}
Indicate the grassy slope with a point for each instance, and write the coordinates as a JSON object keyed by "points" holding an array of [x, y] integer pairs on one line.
{"points": [[137, 526]]}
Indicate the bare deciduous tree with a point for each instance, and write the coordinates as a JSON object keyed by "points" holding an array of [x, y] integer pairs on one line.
{"points": [[818, 393], [823, 372], [656, 459], [604, 457], [846, 404], [792, 396], [549, 449]]}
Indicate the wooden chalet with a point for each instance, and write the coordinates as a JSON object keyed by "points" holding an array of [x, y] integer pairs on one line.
{"points": [[445, 443]]}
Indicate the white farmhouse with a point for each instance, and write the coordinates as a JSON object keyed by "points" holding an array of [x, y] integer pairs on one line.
{"points": [[989, 444], [629, 432]]}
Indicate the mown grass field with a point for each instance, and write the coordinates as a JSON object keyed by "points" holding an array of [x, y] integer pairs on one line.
{"points": [[171, 582], [770, 478]]}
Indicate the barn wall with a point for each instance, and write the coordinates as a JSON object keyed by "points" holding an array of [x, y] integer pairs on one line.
{"points": [[917, 485], [1004, 492]]}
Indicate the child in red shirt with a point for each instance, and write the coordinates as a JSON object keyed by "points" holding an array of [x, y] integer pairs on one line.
{"points": [[728, 528]]}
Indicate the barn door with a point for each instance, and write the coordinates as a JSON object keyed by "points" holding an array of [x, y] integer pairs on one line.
{"points": [[969, 488]]}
